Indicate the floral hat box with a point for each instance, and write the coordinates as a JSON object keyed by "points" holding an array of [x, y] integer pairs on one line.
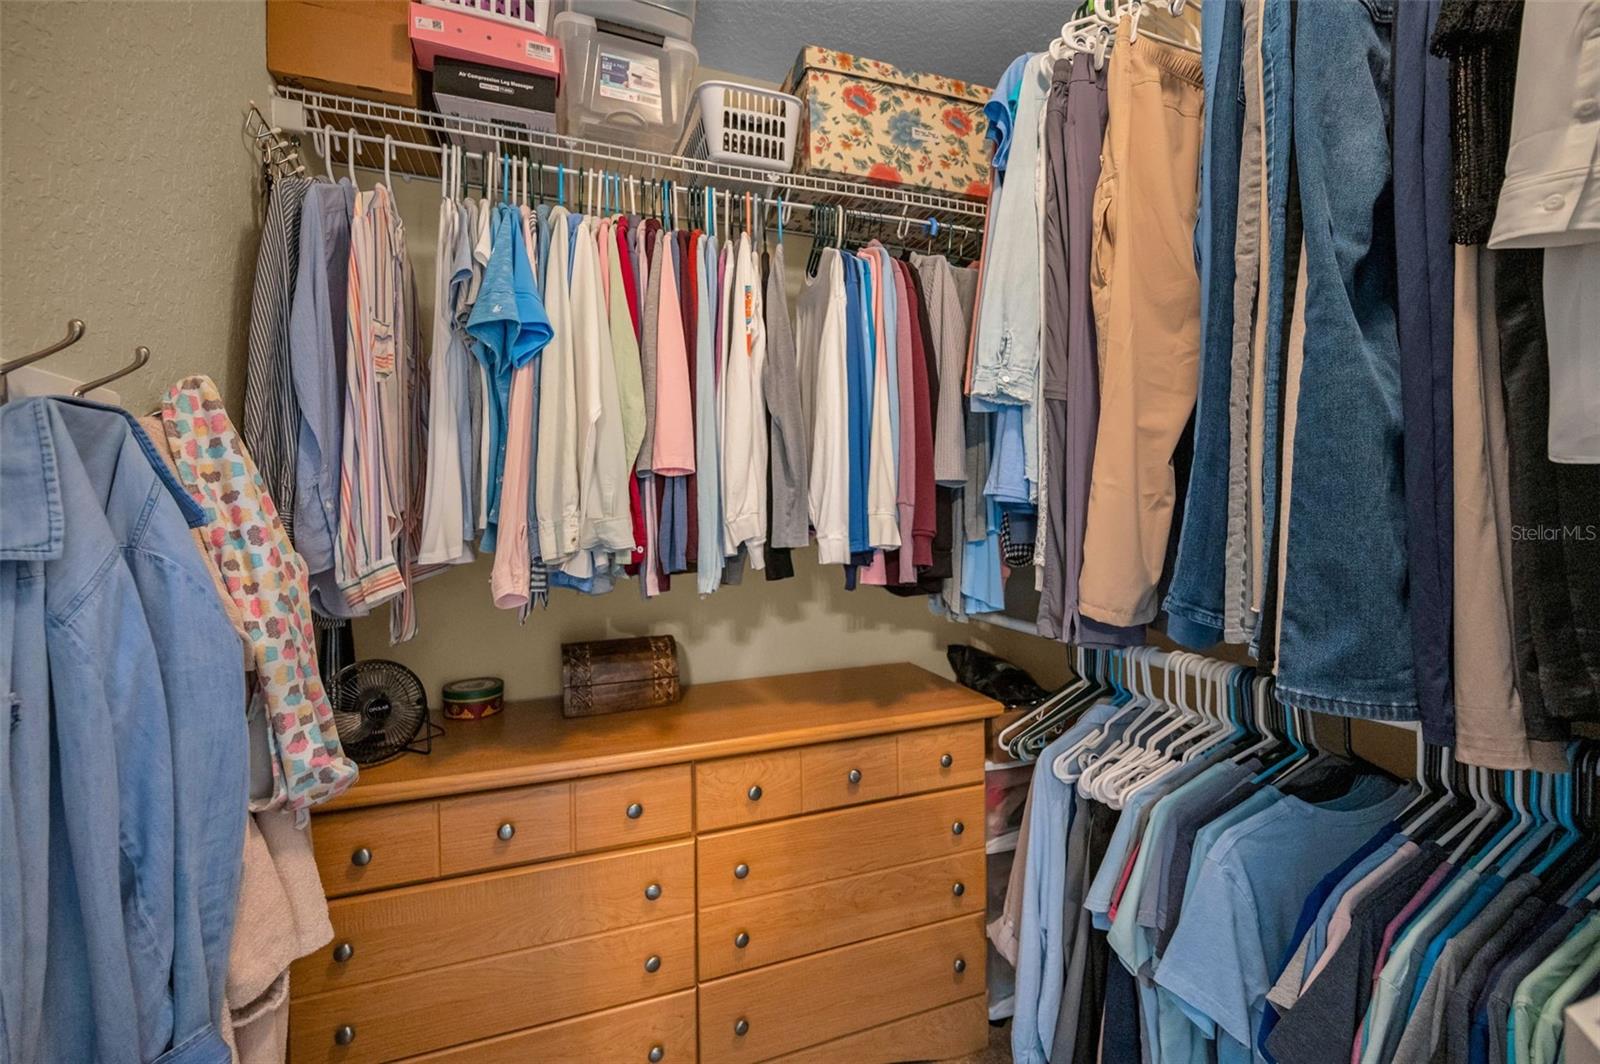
{"points": [[869, 120]]}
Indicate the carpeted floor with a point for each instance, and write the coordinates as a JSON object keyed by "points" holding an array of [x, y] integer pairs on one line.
{"points": [[997, 1052]]}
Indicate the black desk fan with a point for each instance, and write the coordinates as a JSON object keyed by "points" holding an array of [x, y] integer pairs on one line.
{"points": [[381, 711]]}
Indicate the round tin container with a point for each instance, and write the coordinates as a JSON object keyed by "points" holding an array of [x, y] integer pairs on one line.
{"points": [[474, 699]]}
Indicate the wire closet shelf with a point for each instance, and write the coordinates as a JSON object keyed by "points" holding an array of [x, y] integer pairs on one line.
{"points": [[414, 141]]}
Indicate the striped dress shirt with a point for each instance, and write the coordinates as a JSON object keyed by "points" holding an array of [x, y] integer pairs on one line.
{"points": [[271, 411]]}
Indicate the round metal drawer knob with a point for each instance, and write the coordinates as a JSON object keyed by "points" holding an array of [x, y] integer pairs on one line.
{"points": [[635, 811], [507, 830], [754, 793], [741, 1027], [656, 1053], [361, 857], [653, 891], [343, 952], [742, 939], [946, 761], [961, 965], [855, 775], [652, 964], [741, 870], [959, 889], [957, 828], [344, 1035]]}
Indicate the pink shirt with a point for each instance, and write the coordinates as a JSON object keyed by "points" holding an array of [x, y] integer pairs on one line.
{"points": [[672, 449], [906, 488], [508, 580]]}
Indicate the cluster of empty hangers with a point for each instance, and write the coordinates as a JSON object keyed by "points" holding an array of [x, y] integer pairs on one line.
{"points": [[75, 332], [1178, 706]]}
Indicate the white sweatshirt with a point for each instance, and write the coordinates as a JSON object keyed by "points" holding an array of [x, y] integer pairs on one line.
{"points": [[602, 469], [820, 346], [744, 411], [556, 477], [441, 542]]}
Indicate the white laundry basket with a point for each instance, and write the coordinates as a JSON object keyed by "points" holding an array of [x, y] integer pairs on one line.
{"points": [[743, 126]]}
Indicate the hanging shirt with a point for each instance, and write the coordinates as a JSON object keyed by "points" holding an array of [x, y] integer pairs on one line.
{"points": [[443, 539], [317, 336], [604, 468], [509, 578], [511, 326], [364, 560], [672, 447], [858, 383], [904, 363], [558, 475], [744, 412], [821, 342], [883, 519], [708, 460]]}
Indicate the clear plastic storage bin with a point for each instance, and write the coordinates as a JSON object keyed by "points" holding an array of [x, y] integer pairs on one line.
{"points": [[664, 18], [621, 90]]}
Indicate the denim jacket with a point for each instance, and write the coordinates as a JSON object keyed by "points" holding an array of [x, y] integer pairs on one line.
{"points": [[123, 775]]}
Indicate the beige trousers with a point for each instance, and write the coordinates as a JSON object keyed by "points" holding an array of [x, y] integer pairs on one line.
{"points": [[1146, 295]]}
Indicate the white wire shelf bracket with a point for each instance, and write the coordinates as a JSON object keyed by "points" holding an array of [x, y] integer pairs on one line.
{"points": [[412, 141]]}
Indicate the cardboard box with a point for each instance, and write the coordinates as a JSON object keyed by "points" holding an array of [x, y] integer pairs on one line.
{"points": [[868, 120], [350, 47]]}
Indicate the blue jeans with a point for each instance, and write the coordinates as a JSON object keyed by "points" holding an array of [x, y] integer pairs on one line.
{"points": [[1345, 608], [1194, 599], [1425, 315]]}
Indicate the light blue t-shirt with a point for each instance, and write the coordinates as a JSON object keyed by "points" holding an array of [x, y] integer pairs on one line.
{"points": [[983, 586], [1241, 913], [1001, 110], [511, 327]]}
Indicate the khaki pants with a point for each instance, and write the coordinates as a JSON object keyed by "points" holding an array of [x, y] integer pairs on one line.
{"points": [[1147, 313]]}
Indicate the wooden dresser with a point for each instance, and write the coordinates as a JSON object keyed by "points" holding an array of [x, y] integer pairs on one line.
{"points": [[786, 869]]}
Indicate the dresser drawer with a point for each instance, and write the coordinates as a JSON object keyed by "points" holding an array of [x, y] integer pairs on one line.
{"points": [[506, 827], [745, 790], [811, 1000], [448, 1006], [632, 807], [944, 1033], [746, 862], [941, 757], [414, 929], [370, 848], [847, 773], [630, 1033], [792, 923]]}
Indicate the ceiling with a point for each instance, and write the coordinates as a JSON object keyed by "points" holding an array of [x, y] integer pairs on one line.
{"points": [[973, 40]]}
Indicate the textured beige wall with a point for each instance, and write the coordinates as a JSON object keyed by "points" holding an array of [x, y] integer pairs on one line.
{"points": [[128, 197]]}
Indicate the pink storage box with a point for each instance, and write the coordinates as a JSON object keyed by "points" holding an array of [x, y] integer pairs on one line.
{"points": [[460, 34]]}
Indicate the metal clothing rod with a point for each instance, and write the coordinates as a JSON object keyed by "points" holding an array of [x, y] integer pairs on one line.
{"points": [[642, 186], [410, 140]]}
